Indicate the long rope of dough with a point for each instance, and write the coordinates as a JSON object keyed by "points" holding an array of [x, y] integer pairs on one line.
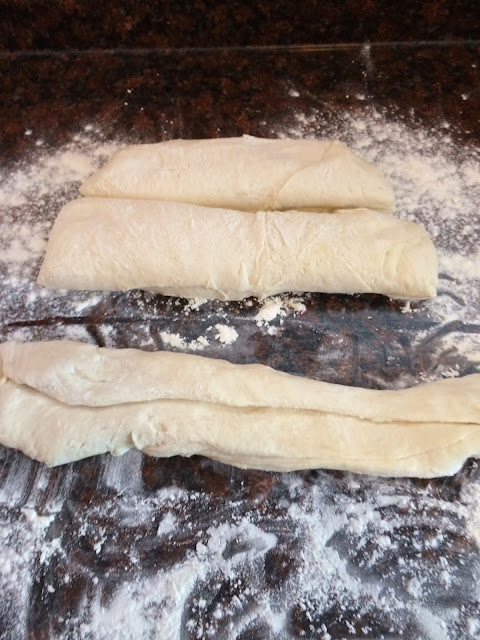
{"points": [[63, 401], [197, 252], [244, 173]]}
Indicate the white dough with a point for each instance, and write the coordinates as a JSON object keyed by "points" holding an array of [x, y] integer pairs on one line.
{"points": [[197, 252], [245, 173], [84, 374], [64, 401]]}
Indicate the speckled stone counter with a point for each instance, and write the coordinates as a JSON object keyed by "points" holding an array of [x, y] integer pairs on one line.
{"points": [[147, 96], [209, 23]]}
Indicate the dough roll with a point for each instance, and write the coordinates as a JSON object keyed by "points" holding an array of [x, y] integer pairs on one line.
{"points": [[197, 252], [246, 173], [217, 420]]}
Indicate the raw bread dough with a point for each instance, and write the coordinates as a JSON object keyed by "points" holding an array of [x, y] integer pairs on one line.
{"points": [[197, 252], [87, 375], [247, 416], [245, 173]]}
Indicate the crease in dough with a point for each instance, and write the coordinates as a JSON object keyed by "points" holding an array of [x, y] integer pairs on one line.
{"points": [[245, 415]]}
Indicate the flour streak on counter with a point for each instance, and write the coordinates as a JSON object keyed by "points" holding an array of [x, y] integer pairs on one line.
{"points": [[354, 543]]}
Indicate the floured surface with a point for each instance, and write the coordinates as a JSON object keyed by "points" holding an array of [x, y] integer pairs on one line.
{"points": [[160, 550], [121, 548]]}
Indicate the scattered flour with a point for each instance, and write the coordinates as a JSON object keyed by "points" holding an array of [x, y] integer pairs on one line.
{"points": [[167, 525], [195, 303], [386, 555], [31, 195], [278, 307], [225, 334], [175, 340]]}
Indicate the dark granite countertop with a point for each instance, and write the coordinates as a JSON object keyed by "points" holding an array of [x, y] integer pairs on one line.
{"points": [[147, 95], [64, 25], [108, 530]]}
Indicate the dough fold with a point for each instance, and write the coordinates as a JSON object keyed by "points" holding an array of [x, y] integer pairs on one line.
{"points": [[245, 173], [63, 401], [197, 252]]}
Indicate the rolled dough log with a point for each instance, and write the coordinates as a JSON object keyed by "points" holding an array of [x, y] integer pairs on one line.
{"points": [[223, 425], [196, 252], [245, 173]]}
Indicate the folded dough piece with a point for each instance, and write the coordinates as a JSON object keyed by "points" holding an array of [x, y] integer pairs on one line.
{"points": [[197, 252], [82, 374], [245, 173], [219, 419]]}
